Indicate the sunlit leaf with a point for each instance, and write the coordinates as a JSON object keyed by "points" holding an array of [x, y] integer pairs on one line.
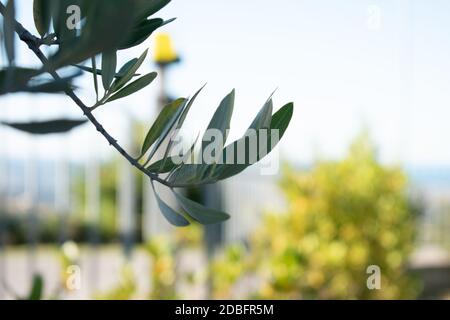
{"points": [[129, 70], [222, 117], [170, 214], [99, 72], [163, 123], [162, 166], [201, 213], [279, 121], [134, 86], [169, 163], [107, 24]]}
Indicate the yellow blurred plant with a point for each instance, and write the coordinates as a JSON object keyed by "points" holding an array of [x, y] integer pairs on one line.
{"points": [[165, 252], [342, 217]]}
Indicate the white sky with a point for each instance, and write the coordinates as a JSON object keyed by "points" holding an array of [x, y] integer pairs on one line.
{"points": [[344, 66]]}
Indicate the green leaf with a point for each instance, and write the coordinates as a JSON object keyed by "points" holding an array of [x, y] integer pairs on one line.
{"points": [[186, 174], [222, 117], [171, 215], [9, 24], [129, 69], [167, 163], [42, 16], [109, 64], [149, 8], [282, 118], [45, 127], [200, 213], [99, 72], [163, 123], [264, 117], [106, 25], [141, 32], [37, 288], [180, 124], [162, 166], [58, 10], [94, 75], [279, 121], [188, 108], [134, 86], [167, 130]]}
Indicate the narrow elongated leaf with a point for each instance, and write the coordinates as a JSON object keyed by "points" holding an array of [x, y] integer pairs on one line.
{"points": [[165, 22], [42, 16], [221, 122], [209, 173], [167, 130], [67, 37], [107, 24], [279, 121], [99, 72], [141, 32], [188, 108], [128, 70], [127, 66], [200, 213], [94, 75], [179, 125], [46, 127], [37, 288], [169, 163], [163, 123], [222, 117], [282, 118], [162, 166], [9, 30], [170, 214], [186, 174], [149, 8], [264, 117], [134, 86], [109, 64]]}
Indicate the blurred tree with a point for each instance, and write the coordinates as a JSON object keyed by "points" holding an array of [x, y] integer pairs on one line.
{"points": [[343, 217]]}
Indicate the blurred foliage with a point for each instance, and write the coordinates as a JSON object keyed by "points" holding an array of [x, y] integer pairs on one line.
{"points": [[125, 290], [342, 217], [165, 253], [108, 223]]}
